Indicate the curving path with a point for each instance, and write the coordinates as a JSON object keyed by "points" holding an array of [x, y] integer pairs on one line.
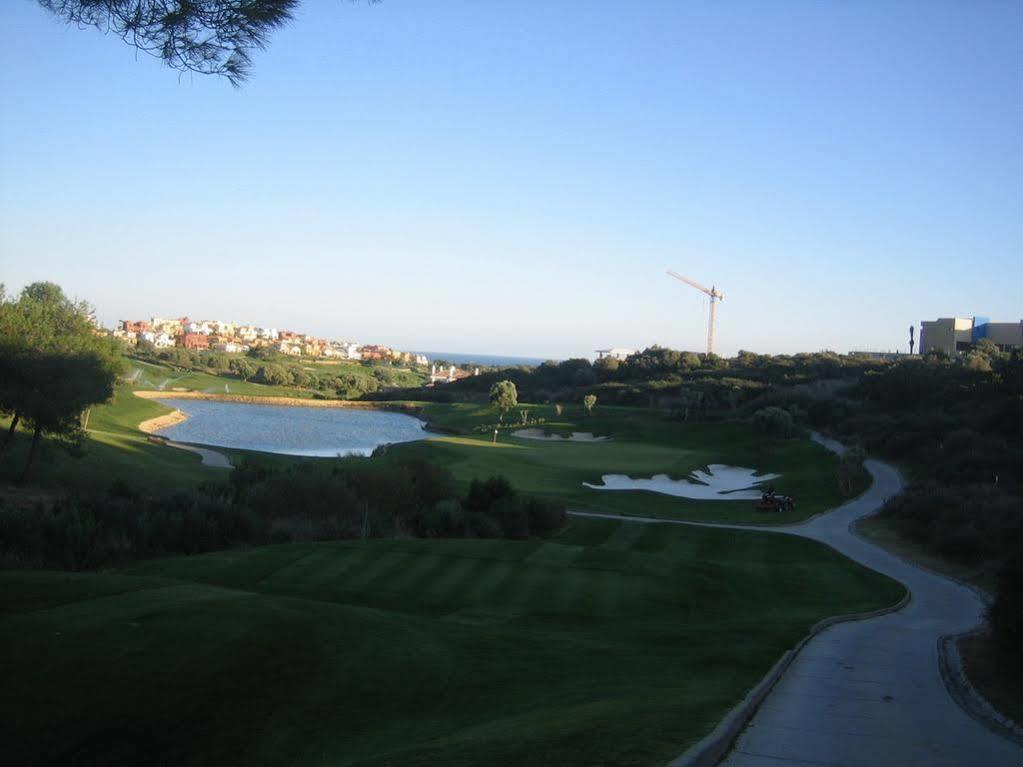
{"points": [[213, 458], [869, 692]]}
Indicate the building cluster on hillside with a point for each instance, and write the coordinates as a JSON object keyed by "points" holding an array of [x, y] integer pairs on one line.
{"points": [[233, 337]]}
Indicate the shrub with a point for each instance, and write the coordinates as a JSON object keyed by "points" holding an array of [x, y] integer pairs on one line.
{"points": [[484, 493], [510, 513], [544, 516], [774, 421]]}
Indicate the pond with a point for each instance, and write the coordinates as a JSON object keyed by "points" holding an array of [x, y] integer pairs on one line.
{"points": [[310, 431]]}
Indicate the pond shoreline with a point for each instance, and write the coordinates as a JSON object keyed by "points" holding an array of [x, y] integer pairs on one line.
{"points": [[248, 399]]}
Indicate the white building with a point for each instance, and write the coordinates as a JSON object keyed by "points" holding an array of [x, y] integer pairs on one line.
{"points": [[159, 340], [203, 328], [615, 353], [231, 347], [127, 336]]}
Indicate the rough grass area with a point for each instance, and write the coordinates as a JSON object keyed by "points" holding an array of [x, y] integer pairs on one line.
{"points": [[619, 643]]}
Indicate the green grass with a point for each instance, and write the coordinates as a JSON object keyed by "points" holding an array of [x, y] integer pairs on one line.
{"points": [[115, 450], [644, 443], [618, 643], [147, 376]]}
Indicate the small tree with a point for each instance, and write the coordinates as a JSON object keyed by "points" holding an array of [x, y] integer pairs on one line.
{"points": [[589, 402], [53, 366], [850, 467], [242, 368], [774, 421], [503, 397]]}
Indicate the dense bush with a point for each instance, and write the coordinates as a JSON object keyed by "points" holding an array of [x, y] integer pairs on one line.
{"points": [[971, 524], [258, 505], [774, 421], [1006, 613]]}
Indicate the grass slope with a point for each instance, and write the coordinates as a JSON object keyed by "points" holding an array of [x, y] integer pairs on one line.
{"points": [[618, 643]]}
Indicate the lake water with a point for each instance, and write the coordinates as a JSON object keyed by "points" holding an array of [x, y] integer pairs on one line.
{"points": [[311, 431]]}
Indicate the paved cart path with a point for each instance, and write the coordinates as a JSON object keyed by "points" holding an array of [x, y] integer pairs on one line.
{"points": [[870, 692], [213, 458]]}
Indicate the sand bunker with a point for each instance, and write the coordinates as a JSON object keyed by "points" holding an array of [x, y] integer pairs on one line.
{"points": [[576, 436], [718, 483]]}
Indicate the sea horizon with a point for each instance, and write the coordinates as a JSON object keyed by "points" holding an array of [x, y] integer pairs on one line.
{"points": [[490, 360]]}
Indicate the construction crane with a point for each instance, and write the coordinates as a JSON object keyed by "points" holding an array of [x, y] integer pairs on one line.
{"points": [[715, 296]]}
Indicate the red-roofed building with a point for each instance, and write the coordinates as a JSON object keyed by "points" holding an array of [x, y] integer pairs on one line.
{"points": [[195, 341]]}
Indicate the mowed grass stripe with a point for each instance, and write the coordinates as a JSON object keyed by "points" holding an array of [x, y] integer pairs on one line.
{"points": [[493, 581], [624, 537], [443, 587], [555, 554], [560, 592], [379, 561], [422, 569], [324, 565]]}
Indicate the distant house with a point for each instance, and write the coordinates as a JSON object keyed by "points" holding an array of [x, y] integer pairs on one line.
{"points": [[195, 341], [442, 375], [159, 340], [198, 327], [615, 353], [135, 326], [231, 347], [128, 337], [290, 347], [172, 327]]}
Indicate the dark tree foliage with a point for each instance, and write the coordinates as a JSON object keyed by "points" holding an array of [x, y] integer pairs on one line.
{"points": [[210, 37], [1006, 614]]}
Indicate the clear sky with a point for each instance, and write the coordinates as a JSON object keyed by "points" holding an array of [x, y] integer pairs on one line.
{"points": [[515, 177]]}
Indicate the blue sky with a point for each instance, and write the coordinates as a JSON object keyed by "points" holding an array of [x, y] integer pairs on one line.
{"points": [[514, 178]]}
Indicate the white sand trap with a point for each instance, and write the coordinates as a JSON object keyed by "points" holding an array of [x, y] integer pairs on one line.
{"points": [[576, 436], [718, 483]]}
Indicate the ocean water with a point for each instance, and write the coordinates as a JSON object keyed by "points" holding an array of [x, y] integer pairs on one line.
{"points": [[311, 431], [489, 360]]}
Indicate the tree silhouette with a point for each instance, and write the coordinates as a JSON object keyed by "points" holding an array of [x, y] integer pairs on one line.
{"points": [[211, 37]]}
